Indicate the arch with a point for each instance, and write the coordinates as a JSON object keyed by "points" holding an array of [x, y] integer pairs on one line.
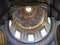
{"points": [[2, 38], [57, 34]]}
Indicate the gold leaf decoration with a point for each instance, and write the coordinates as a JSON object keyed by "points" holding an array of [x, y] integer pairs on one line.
{"points": [[2, 38]]}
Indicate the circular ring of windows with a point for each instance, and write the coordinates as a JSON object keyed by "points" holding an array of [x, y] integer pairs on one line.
{"points": [[30, 37]]}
